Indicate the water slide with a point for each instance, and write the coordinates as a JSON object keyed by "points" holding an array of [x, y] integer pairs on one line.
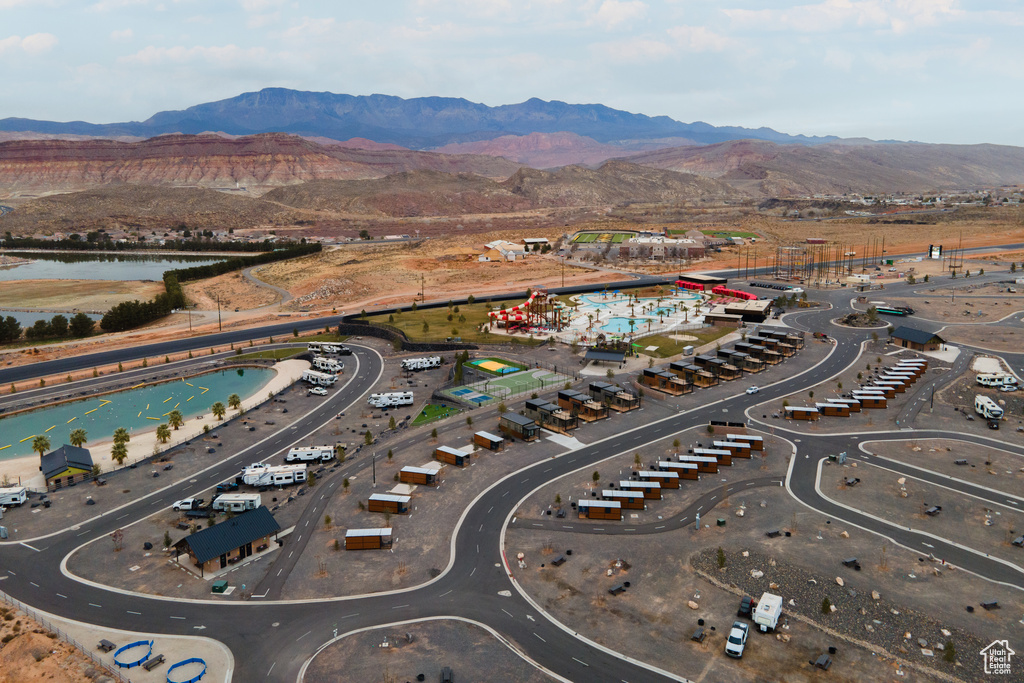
{"points": [[515, 312]]}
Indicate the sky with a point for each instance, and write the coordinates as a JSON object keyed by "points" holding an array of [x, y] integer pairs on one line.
{"points": [[944, 71]]}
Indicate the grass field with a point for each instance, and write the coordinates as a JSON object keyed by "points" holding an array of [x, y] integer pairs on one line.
{"points": [[438, 327], [432, 412], [613, 237], [730, 233], [586, 237], [668, 347], [619, 237]]}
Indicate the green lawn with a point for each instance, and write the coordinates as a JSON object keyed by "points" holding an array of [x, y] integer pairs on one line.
{"points": [[276, 354], [730, 233], [586, 237], [670, 347], [439, 327], [620, 237], [323, 337], [433, 411]]}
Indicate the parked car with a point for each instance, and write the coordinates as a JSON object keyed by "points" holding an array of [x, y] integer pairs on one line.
{"points": [[1008, 387], [746, 609], [227, 487], [318, 391], [737, 639], [752, 390], [993, 424]]}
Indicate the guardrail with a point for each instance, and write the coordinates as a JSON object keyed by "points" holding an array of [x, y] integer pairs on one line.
{"points": [[17, 604]]}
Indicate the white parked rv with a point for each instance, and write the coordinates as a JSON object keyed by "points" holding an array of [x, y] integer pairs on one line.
{"points": [[15, 495], [987, 408], [421, 363], [310, 454], [989, 380], [329, 365], [769, 609], [391, 399], [323, 379], [237, 502], [268, 475]]}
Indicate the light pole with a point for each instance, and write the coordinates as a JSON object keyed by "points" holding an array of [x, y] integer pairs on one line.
{"points": [[373, 461]]}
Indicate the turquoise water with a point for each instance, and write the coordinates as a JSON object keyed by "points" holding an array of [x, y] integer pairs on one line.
{"points": [[87, 266], [131, 409], [621, 325]]}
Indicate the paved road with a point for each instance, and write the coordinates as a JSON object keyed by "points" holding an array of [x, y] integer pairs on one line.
{"points": [[271, 640], [285, 295]]}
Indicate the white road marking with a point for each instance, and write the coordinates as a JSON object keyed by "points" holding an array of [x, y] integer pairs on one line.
{"points": [[581, 662], [539, 638]]}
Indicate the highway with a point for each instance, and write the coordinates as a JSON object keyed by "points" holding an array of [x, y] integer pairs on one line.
{"points": [[272, 639]]}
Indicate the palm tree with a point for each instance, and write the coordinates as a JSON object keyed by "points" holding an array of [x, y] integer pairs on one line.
{"points": [[175, 419], [121, 435], [163, 433], [41, 444], [218, 410], [235, 402], [119, 453], [77, 437]]}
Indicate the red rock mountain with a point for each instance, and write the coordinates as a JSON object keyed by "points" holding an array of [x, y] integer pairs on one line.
{"points": [[551, 150], [258, 162]]}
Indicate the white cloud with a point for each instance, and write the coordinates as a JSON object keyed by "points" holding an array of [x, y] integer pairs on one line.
{"points": [[896, 15], [635, 50], [840, 59], [261, 20], [35, 44], [110, 5], [125, 34], [699, 39], [612, 13], [261, 5], [224, 55], [310, 27]]}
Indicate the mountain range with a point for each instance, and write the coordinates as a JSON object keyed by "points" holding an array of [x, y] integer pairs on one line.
{"points": [[417, 123]]}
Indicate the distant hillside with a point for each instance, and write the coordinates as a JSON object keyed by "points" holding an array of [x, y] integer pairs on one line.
{"points": [[428, 193], [551, 150], [256, 162], [132, 207], [784, 170], [418, 123]]}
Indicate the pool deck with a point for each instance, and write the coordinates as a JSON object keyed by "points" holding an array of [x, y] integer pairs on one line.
{"points": [[143, 444]]}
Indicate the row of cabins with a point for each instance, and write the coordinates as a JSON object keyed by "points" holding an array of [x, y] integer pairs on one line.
{"points": [[892, 381], [767, 347], [645, 485], [571, 408], [398, 504]]}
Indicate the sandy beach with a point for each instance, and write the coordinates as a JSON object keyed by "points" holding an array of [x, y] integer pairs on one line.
{"points": [[145, 444]]}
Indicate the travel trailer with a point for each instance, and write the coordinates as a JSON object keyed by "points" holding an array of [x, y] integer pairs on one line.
{"points": [[237, 502], [421, 363], [310, 454], [323, 379], [328, 365], [391, 399], [268, 475]]}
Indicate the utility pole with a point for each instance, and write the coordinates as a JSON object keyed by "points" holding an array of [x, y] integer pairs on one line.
{"points": [[374, 465], [219, 327]]}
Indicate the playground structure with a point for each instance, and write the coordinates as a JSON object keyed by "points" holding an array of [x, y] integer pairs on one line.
{"points": [[541, 311]]}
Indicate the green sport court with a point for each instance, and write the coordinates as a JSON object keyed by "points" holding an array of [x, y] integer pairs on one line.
{"points": [[506, 386]]}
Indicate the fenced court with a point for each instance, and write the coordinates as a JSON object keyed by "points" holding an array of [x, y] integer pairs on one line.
{"points": [[497, 366], [503, 387]]}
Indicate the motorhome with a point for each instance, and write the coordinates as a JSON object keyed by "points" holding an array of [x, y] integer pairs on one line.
{"points": [[391, 399], [328, 365], [989, 380], [768, 611], [323, 379], [327, 347], [310, 454], [15, 495], [421, 363], [237, 502], [987, 408], [269, 475]]}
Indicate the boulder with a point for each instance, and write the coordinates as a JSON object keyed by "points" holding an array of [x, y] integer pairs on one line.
{"points": [[756, 573], [844, 534], [875, 595], [840, 581], [692, 605], [832, 608], [745, 553]]}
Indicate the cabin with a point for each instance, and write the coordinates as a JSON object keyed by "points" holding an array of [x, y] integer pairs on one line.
{"points": [[550, 416], [719, 367], [871, 401], [918, 340], [517, 426], [665, 381], [668, 479], [833, 409], [390, 503], [418, 475], [762, 353], [451, 456], [743, 361], [489, 441], [887, 391], [896, 385], [599, 509], [907, 378], [794, 338], [582, 405], [66, 466], [614, 396], [368, 539], [650, 489], [706, 464], [631, 500], [738, 449], [800, 413], [693, 374], [722, 455], [229, 542], [685, 470], [851, 403], [756, 442]]}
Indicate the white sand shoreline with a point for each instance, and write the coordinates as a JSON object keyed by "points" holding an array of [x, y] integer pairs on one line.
{"points": [[25, 471]]}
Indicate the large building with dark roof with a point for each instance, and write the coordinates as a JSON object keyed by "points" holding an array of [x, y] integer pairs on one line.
{"points": [[918, 340], [66, 466], [232, 540]]}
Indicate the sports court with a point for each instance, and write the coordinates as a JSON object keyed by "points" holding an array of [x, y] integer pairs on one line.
{"points": [[494, 366], [505, 386]]}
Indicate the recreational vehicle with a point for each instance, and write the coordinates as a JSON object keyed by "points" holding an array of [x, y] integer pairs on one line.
{"points": [[15, 495], [237, 502], [323, 379], [987, 408], [421, 363], [310, 454], [329, 365], [391, 399], [267, 475]]}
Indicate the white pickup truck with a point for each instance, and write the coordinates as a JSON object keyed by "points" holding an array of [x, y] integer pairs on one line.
{"points": [[187, 504]]}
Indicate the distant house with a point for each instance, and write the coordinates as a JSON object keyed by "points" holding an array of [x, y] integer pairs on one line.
{"points": [[501, 250], [230, 541], [917, 340], [65, 466]]}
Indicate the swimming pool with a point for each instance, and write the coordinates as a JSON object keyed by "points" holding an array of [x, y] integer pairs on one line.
{"points": [[621, 325], [136, 409]]}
